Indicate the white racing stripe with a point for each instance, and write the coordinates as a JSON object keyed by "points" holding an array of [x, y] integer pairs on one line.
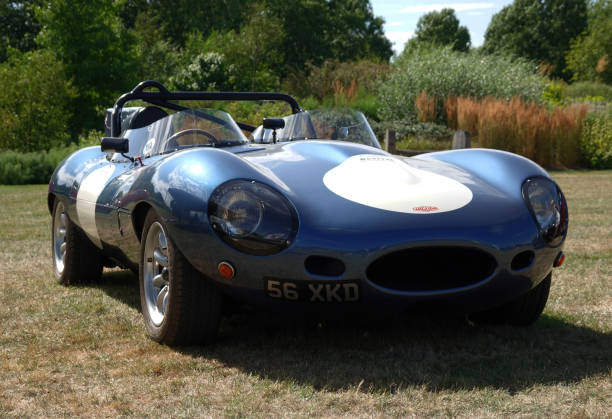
{"points": [[89, 192], [390, 184]]}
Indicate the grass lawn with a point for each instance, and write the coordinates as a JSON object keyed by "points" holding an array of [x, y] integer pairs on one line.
{"points": [[83, 350]]}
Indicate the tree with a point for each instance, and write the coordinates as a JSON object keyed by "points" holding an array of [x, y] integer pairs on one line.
{"points": [[18, 26], [88, 37], [590, 55], [316, 30], [260, 43], [156, 58], [34, 101], [538, 30], [248, 59], [442, 28], [177, 18]]}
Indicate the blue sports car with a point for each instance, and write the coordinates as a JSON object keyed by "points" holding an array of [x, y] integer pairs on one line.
{"points": [[308, 213]]}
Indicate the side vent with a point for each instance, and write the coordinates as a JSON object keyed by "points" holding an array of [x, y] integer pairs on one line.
{"points": [[522, 260]]}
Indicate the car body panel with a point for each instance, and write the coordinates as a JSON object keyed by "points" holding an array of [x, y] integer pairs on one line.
{"points": [[178, 186]]}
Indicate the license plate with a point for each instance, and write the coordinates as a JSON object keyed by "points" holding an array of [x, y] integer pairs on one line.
{"points": [[312, 291]]}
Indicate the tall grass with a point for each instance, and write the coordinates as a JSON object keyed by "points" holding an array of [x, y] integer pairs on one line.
{"points": [[550, 138], [426, 107]]}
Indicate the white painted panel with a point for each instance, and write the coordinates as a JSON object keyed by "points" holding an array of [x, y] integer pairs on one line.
{"points": [[89, 192], [390, 184]]}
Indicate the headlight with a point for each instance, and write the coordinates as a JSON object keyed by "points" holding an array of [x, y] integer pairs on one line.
{"points": [[252, 217], [548, 207]]}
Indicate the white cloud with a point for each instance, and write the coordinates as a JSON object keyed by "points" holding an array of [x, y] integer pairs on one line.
{"points": [[459, 7], [395, 24], [398, 39]]}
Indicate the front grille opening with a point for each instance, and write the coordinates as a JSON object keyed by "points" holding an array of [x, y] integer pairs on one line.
{"points": [[325, 266], [522, 260], [431, 268]]}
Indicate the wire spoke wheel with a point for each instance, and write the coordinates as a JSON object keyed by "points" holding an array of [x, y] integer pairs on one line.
{"points": [[156, 273]]}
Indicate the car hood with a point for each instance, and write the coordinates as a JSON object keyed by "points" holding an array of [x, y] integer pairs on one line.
{"points": [[344, 189]]}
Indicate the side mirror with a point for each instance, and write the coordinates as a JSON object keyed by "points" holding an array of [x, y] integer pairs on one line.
{"points": [[273, 123], [115, 145]]}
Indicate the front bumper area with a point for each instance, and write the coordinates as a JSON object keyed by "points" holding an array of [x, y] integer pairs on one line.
{"points": [[286, 282]]}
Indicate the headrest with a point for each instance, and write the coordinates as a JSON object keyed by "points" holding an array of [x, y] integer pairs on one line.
{"points": [[147, 116]]}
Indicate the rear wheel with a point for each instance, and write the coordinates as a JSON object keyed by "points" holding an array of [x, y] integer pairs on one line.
{"points": [[76, 260], [180, 306], [523, 311]]}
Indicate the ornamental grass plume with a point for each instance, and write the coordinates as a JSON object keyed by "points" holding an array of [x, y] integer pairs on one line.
{"points": [[549, 137], [426, 107]]}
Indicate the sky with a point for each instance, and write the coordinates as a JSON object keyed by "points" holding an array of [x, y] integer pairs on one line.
{"points": [[401, 16]]}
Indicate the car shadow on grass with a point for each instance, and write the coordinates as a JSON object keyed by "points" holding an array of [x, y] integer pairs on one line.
{"points": [[437, 351]]}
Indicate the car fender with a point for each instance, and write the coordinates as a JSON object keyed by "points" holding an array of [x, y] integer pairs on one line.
{"points": [[501, 169]]}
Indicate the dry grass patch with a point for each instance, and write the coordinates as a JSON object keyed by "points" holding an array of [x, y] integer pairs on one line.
{"points": [[82, 351]]}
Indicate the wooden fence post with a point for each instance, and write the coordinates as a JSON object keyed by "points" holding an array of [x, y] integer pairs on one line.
{"points": [[390, 141], [461, 139]]}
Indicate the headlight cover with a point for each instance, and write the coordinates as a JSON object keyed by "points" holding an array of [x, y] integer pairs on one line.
{"points": [[548, 207], [252, 217]]}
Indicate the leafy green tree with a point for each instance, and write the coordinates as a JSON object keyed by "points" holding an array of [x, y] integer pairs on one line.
{"points": [[316, 30], [18, 26], [88, 37], [251, 58], [34, 101], [260, 45], [156, 58], [590, 55], [537, 30], [442, 28], [177, 18]]}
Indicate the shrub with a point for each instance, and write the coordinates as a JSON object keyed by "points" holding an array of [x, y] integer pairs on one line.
{"points": [[207, 71], [554, 94], [324, 81], [442, 73], [17, 168], [596, 141], [34, 102], [551, 138], [584, 89]]}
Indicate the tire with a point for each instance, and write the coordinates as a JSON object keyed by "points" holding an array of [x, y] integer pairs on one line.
{"points": [[76, 260], [523, 311], [180, 306]]}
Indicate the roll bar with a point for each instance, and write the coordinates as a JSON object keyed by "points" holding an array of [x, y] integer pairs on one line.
{"points": [[163, 96]]}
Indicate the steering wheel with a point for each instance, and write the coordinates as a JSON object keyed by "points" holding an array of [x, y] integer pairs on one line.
{"points": [[192, 131]]}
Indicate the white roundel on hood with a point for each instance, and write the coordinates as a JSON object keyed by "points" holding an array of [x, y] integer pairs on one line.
{"points": [[387, 183]]}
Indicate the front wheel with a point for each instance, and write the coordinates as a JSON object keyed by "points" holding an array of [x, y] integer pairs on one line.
{"points": [[522, 311], [180, 306]]}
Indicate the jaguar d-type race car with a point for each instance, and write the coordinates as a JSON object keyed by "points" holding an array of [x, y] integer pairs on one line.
{"points": [[309, 214]]}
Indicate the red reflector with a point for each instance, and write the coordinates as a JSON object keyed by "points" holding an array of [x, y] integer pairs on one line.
{"points": [[226, 270], [559, 260]]}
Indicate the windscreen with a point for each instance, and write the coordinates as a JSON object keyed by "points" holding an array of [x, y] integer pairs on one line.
{"points": [[186, 129], [327, 124]]}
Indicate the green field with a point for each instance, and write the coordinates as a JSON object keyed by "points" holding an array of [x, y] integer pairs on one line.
{"points": [[83, 350]]}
